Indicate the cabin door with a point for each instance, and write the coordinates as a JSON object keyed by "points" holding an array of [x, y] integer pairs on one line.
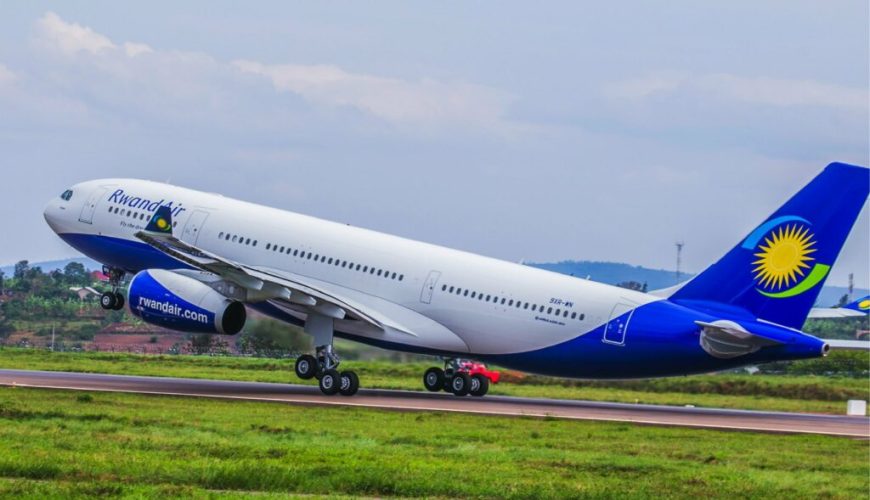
{"points": [[194, 226], [617, 326], [87, 215], [429, 287]]}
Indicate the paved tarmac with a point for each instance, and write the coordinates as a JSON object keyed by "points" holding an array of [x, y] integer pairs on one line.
{"points": [[710, 418]]}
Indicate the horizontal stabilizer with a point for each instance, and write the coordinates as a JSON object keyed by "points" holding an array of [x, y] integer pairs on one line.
{"points": [[725, 339]]}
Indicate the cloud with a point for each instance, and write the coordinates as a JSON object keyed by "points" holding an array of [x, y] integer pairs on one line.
{"points": [[7, 76], [390, 99], [752, 90], [70, 38], [397, 101]]}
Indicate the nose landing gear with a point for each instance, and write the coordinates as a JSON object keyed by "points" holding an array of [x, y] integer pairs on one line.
{"points": [[461, 377], [113, 300]]}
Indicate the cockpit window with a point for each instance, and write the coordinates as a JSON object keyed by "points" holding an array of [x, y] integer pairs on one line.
{"points": [[66, 195]]}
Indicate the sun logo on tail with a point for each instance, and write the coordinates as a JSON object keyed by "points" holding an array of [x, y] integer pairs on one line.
{"points": [[785, 264], [784, 256]]}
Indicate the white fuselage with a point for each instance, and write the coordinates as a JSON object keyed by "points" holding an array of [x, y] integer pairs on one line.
{"points": [[457, 301]]}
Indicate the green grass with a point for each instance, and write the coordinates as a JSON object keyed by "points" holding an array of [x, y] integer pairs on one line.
{"points": [[64, 443], [804, 393]]}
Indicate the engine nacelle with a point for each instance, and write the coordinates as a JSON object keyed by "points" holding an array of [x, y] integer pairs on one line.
{"points": [[170, 300]]}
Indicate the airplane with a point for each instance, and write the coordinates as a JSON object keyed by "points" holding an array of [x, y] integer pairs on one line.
{"points": [[855, 309], [195, 261]]}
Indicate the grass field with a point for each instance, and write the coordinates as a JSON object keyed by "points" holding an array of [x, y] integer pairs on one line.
{"points": [[65, 443], [805, 393]]}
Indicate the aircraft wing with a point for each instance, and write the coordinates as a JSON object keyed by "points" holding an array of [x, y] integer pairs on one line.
{"points": [[264, 284]]}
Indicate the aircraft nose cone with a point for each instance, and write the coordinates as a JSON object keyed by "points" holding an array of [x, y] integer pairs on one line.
{"points": [[51, 215]]}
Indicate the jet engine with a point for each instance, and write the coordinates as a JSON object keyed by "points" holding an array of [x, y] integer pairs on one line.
{"points": [[170, 300]]}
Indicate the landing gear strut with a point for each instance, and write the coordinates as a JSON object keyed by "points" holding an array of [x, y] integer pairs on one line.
{"points": [[324, 364], [461, 377], [113, 300]]}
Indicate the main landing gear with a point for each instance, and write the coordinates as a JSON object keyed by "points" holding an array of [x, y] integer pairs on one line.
{"points": [[461, 377], [113, 300], [324, 364]]}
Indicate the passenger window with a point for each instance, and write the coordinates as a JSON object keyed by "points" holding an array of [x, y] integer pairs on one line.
{"points": [[488, 297], [379, 272], [330, 261], [582, 316], [401, 277], [557, 311], [465, 293], [473, 294], [573, 315], [451, 288], [549, 310], [234, 238], [443, 288], [393, 276]]}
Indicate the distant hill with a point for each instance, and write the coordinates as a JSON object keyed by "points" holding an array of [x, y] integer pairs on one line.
{"points": [[51, 265], [616, 272]]}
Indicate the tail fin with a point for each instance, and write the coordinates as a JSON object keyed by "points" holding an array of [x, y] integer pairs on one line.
{"points": [[777, 271], [860, 305]]}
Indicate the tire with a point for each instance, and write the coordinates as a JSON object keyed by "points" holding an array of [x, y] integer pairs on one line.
{"points": [[306, 366], [119, 301], [330, 382], [479, 385], [349, 383], [433, 379], [460, 384], [108, 300]]}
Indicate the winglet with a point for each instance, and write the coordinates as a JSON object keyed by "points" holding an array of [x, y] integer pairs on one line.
{"points": [[161, 221]]}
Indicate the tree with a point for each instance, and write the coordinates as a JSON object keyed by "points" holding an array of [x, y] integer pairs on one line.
{"points": [[21, 268], [75, 274], [267, 336], [632, 285], [2, 282], [843, 300]]}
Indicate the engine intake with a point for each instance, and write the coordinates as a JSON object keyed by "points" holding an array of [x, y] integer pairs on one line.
{"points": [[177, 302]]}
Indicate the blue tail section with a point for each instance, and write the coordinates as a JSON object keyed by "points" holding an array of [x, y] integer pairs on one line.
{"points": [[161, 221], [777, 271], [861, 305]]}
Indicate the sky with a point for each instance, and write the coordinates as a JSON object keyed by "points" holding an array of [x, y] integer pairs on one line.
{"points": [[544, 132]]}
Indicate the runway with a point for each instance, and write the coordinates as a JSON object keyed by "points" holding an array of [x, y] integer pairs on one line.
{"points": [[835, 425]]}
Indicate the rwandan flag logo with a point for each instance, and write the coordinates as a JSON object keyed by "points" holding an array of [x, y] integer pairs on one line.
{"points": [[784, 265]]}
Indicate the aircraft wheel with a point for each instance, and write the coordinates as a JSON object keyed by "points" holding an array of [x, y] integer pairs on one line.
{"points": [[460, 384], [433, 379], [330, 382], [119, 301], [349, 383], [479, 385], [306, 366], [108, 300]]}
